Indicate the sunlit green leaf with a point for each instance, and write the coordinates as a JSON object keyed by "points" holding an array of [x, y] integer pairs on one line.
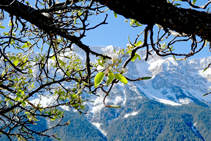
{"points": [[132, 21], [115, 15], [26, 45], [136, 56], [138, 24], [52, 119], [3, 73], [30, 71], [121, 78], [113, 106], [110, 78], [138, 43], [2, 27], [99, 78], [16, 62]]}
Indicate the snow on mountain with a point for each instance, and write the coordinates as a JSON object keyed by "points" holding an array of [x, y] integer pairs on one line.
{"points": [[131, 114], [176, 80], [98, 127], [173, 82]]}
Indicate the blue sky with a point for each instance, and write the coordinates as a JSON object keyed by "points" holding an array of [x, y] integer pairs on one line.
{"points": [[116, 33]]}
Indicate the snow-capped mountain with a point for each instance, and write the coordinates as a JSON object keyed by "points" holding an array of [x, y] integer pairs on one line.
{"points": [[173, 96], [173, 82]]}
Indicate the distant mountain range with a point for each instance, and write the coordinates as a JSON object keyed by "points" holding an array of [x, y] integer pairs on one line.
{"points": [[168, 107]]}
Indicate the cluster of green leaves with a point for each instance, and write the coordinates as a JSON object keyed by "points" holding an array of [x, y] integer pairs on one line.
{"points": [[130, 48], [111, 69], [25, 74], [132, 21]]}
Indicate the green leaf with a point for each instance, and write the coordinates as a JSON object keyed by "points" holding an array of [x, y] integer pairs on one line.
{"points": [[113, 106], [121, 78], [174, 57], [132, 21], [115, 15], [138, 24], [74, 96], [23, 103], [53, 58], [138, 43], [145, 78], [2, 27], [30, 71], [3, 73], [99, 78], [194, 1], [52, 119], [206, 94], [27, 113], [110, 78], [16, 62], [25, 45], [99, 62], [129, 51], [11, 103], [205, 69], [177, 4], [136, 56]]}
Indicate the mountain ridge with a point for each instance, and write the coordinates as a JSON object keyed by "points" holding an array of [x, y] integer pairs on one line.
{"points": [[153, 109]]}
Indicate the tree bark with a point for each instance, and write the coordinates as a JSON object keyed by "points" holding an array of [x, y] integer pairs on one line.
{"points": [[160, 12], [34, 17]]}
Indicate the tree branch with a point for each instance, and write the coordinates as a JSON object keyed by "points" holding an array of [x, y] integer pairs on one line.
{"points": [[160, 12]]}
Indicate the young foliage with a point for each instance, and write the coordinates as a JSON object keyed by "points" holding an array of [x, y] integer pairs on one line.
{"points": [[38, 61], [99, 78]]}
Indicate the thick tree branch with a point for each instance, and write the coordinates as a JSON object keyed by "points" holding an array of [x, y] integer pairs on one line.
{"points": [[42, 22], [160, 12]]}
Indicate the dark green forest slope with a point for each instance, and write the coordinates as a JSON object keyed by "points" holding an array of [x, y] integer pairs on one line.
{"points": [[154, 121]]}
